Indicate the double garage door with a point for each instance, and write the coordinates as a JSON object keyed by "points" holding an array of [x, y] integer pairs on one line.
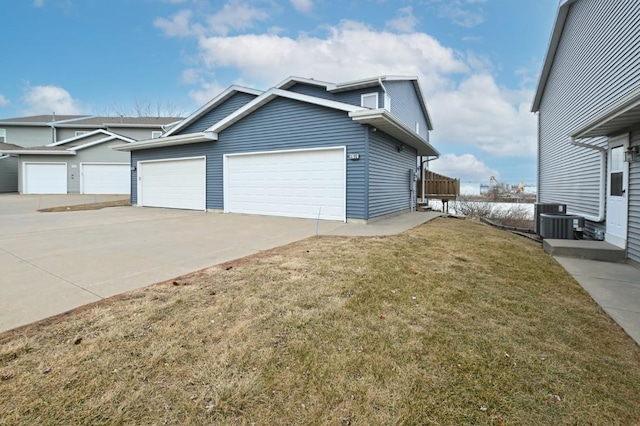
{"points": [[51, 178], [303, 183]]}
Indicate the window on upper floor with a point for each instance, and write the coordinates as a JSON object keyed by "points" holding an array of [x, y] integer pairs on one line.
{"points": [[369, 100], [155, 134], [417, 127], [3, 135], [387, 102], [81, 132]]}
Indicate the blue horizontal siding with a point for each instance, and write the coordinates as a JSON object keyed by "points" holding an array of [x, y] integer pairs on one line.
{"points": [[279, 125], [236, 101], [352, 97], [405, 105], [389, 175]]}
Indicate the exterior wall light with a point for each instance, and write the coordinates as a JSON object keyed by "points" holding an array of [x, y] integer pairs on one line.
{"points": [[631, 155]]}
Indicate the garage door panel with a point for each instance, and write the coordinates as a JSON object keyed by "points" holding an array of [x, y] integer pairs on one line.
{"points": [[45, 178], [294, 184], [176, 184], [106, 178]]}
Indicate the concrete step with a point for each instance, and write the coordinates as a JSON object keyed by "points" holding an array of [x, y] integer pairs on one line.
{"points": [[585, 249]]}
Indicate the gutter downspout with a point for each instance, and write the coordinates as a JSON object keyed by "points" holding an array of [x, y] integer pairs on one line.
{"points": [[384, 89], [603, 176]]}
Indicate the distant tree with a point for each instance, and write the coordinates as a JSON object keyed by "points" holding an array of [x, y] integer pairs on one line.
{"points": [[146, 109]]}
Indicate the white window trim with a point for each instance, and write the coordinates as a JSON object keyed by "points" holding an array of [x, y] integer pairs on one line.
{"points": [[3, 135], [417, 127], [156, 134], [81, 132], [387, 102], [367, 95]]}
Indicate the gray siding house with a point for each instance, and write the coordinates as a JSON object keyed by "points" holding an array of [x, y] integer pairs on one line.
{"points": [[588, 105], [41, 130], [304, 148], [83, 164]]}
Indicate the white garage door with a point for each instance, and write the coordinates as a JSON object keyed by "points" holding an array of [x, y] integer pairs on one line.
{"points": [[177, 184], [304, 183], [106, 178], [45, 178]]}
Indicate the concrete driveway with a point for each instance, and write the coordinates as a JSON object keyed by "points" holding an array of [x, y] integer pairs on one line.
{"points": [[53, 262]]}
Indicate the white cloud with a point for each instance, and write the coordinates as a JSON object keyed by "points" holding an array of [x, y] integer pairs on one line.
{"points": [[465, 167], [303, 6], [177, 26], [48, 99], [4, 101], [207, 92], [460, 13], [266, 58], [480, 113], [38, 3], [235, 15], [404, 22]]}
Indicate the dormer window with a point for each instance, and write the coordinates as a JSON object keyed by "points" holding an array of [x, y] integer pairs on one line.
{"points": [[369, 100]]}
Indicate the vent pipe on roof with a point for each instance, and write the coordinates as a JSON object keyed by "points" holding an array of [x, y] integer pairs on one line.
{"points": [[603, 178]]}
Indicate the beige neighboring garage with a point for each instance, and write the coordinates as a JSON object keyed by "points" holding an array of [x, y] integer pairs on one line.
{"points": [[305, 183], [105, 178], [178, 183]]}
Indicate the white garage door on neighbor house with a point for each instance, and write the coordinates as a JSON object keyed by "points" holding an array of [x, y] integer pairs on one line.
{"points": [[105, 178], [176, 183], [45, 178], [307, 183]]}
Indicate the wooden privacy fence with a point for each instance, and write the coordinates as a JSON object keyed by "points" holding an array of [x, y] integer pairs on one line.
{"points": [[439, 186]]}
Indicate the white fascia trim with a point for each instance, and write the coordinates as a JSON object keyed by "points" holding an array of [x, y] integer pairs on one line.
{"points": [[41, 152], [268, 96], [75, 138], [69, 120], [224, 95], [290, 81], [619, 108], [2, 156], [365, 115], [168, 141], [96, 142], [132, 125], [554, 41], [366, 82], [423, 103]]}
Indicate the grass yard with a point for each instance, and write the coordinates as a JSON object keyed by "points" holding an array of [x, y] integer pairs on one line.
{"points": [[451, 323]]}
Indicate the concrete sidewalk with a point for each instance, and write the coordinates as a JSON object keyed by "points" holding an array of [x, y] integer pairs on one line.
{"points": [[614, 286]]}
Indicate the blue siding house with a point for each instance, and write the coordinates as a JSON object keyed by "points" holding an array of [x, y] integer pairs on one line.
{"points": [[303, 148]]}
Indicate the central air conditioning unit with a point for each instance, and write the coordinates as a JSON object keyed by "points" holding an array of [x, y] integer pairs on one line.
{"points": [[561, 226], [541, 208]]}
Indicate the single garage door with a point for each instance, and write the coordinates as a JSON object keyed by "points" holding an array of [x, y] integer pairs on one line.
{"points": [[176, 184], [45, 178], [303, 183], [106, 178]]}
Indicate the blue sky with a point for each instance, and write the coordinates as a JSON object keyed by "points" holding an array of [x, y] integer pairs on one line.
{"points": [[477, 60]]}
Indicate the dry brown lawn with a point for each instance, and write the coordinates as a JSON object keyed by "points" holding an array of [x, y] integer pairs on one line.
{"points": [[450, 323], [87, 206]]}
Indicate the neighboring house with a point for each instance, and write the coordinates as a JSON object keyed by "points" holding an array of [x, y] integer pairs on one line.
{"points": [[304, 148], [83, 164], [588, 105], [41, 130]]}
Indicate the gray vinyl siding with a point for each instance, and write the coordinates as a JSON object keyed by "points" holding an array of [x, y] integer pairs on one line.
{"points": [[101, 153], [281, 124], [596, 63], [28, 136], [405, 105], [133, 133], [389, 184], [71, 133], [221, 111], [633, 239], [8, 174]]}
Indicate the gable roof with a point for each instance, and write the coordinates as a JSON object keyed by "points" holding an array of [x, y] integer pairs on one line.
{"points": [[361, 84], [39, 120], [223, 96], [73, 144], [554, 41], [378, 118]]}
